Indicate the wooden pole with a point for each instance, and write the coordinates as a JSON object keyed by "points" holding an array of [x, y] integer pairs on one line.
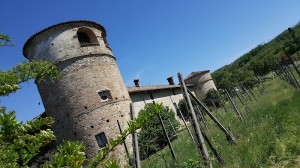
{"points": [[233, 105], [229, 137], [259, 85], [215, 107], [244, 105], [211, 146], [202, 117], [240, 93], [199, 137], [289, 77], [247, 93], [135, 141], [286, 76], [120, 129], [220, 100], [166, 134], [179, 111], [291, 61], [165, 131], [251, 92], [292, 75], [174, 130], [186, 126]]}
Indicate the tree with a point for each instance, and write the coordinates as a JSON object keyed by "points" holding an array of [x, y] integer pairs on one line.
{"points": [[38, 70], [20, 143], [5, 40], [211, 95], [151, 137]]}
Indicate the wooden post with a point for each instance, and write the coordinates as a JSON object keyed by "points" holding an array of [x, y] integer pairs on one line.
{"points": [[215, 107], [292, 75], [166, 134], [165, 131], [200, 139], [214, 150], [244, 89], [251, 92], [135, 141], [202, 117], [229, 137], [244, 105], [286, 76], [174, 130], [179, 111], [240, 93], [258, 84], [220, 100], [233, 105], [290, 59], [289, 77], [186, 126], [120, 129]]}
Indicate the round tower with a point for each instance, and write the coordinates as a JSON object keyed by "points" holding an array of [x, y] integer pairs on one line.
{"points": [[91, 96], [202, 82]]}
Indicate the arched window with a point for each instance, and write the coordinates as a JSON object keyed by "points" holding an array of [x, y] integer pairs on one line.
{"points": [[83, 38], [86, 37]]}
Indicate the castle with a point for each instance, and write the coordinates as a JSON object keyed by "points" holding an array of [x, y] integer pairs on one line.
{"points": [[90, 98]]}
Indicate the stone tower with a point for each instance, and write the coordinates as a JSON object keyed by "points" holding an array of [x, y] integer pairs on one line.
{"points": [[90, 97], [202, 82]]}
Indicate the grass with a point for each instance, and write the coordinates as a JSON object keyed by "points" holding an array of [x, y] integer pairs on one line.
{"points": [[268, 137]]}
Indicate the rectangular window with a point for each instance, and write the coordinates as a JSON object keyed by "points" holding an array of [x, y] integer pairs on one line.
{"points": [[101, 140], [104, 95]]}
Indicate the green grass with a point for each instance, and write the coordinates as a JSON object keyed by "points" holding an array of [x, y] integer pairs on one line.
{"points": [[268, 137]]}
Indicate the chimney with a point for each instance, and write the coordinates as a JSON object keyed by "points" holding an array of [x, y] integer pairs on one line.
{"points": [[136, 82], [170, 80]]}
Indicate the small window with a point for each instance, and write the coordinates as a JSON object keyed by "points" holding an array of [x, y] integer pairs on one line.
{"points": [[104, 95], [101, 140]]}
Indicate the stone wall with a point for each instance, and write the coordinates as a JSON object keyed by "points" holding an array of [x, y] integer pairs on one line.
{"points": [[164, 96]]}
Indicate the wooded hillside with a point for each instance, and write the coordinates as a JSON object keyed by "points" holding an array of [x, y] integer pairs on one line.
{"points": [[259, 61]]}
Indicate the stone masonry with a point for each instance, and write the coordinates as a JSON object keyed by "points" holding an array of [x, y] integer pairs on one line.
{"points": [[91, 96]]}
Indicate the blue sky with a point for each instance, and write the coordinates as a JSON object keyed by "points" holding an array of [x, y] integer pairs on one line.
{"points": [[151, 40]]}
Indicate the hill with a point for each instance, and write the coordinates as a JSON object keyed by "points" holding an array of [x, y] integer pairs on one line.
{"points": [[259, 61]]}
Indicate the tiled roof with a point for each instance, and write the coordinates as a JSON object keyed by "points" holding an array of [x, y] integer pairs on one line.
{"points": [[68, 22], [153, 87], [195, 73]]}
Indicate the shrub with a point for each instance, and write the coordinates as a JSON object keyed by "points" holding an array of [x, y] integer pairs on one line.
{"points": [[151, 136]]}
